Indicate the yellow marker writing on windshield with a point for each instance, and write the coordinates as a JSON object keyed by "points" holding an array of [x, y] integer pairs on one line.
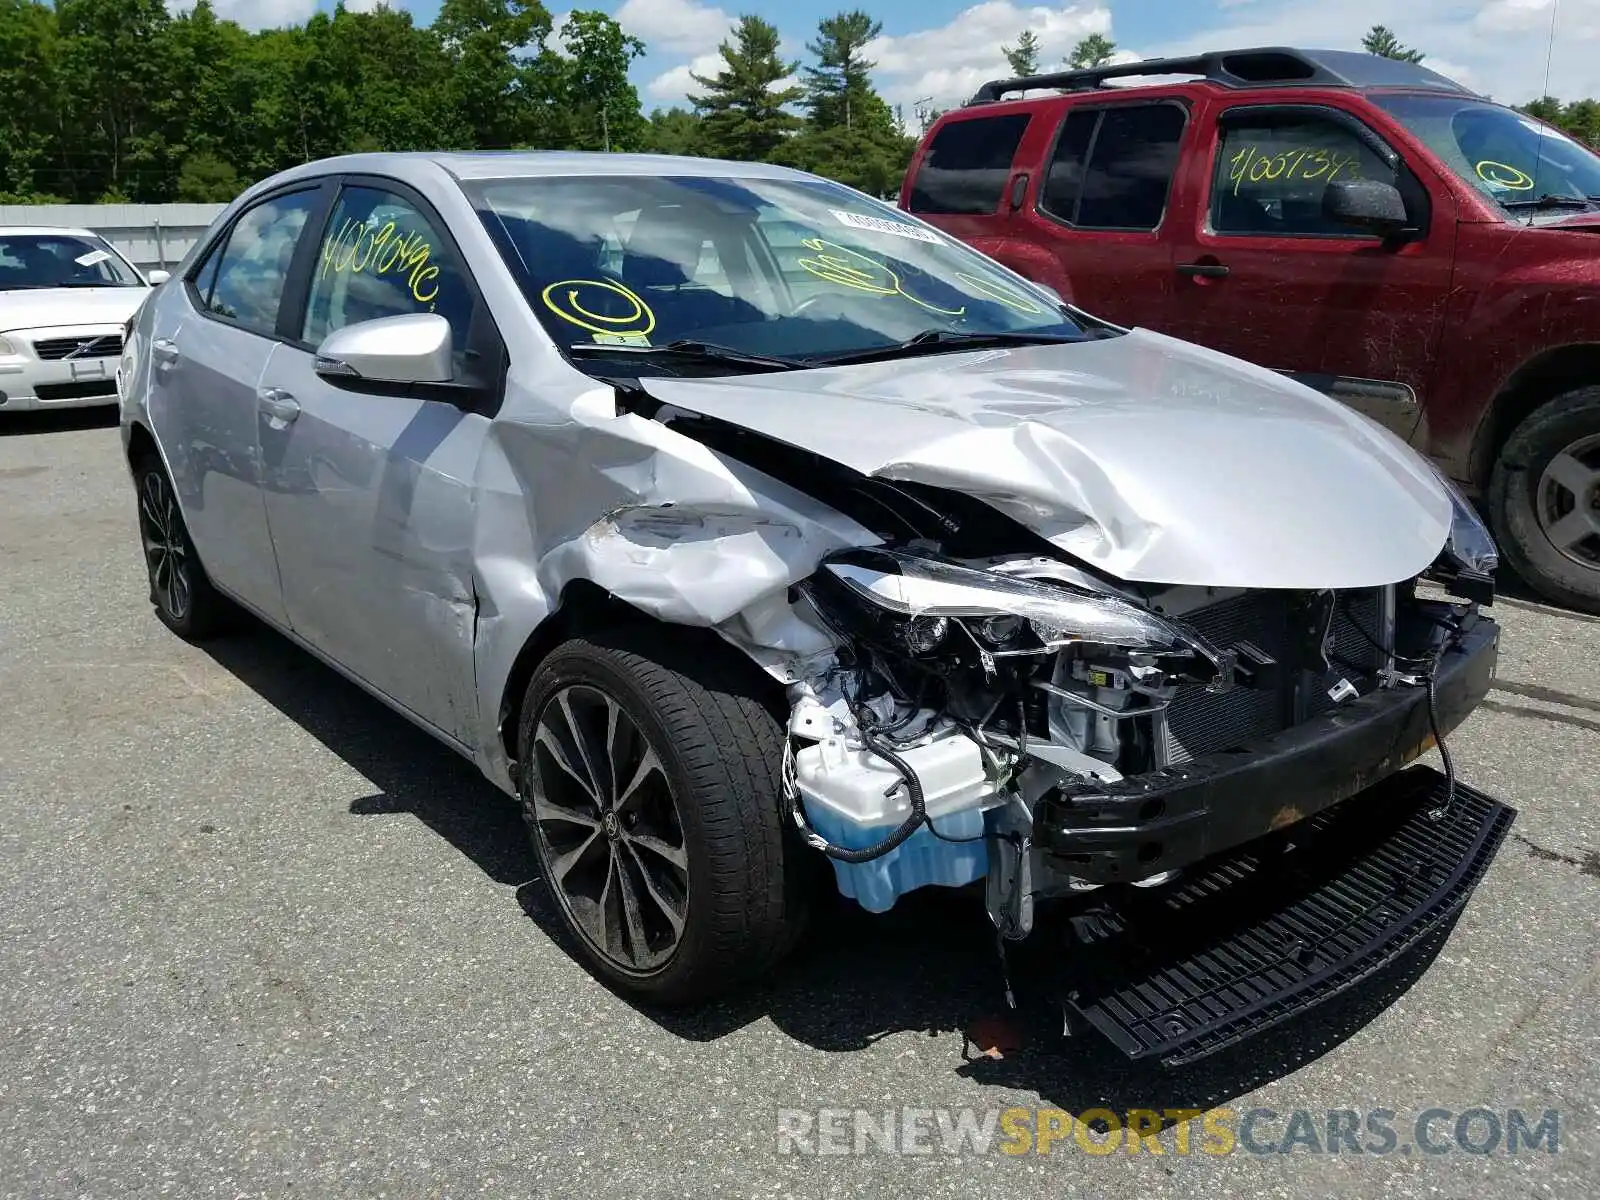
{"points": [[563, 299], [1000, 295], [852, 269], [1504, 175]]}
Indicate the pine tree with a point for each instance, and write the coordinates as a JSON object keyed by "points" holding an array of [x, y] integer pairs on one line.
{"points": [[839, 88], [1380, 40], [1024, 56], [745, 116], [1093, 51]]}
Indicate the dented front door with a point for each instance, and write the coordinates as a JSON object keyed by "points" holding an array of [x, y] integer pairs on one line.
{"points": [[369, 505]]}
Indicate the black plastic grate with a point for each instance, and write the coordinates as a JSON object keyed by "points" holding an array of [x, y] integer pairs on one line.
{"points": [[106, 345], [1256, 938]]}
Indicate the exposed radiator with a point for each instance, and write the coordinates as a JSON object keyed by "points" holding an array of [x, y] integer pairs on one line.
{"points": [[1203, 722]]}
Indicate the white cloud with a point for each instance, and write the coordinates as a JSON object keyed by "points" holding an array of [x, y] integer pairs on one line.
{"points": [[258, 14], [672, 86], [1493, 46], [948, 63], [678, 26]]}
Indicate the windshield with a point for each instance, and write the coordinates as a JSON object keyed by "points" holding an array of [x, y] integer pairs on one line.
{"points": [[53, 260], [782, 269], [1507, 155]]}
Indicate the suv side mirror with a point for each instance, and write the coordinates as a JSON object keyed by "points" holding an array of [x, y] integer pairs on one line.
{"points": [[1366, 204], [410, 348], [157, 278]]}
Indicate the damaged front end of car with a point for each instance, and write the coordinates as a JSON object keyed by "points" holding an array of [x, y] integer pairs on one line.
{"points": [[1021, 721]]}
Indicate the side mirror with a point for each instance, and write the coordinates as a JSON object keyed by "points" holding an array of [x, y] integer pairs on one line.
{"points": [[412, 348], [1366, 204], [157, 278]]}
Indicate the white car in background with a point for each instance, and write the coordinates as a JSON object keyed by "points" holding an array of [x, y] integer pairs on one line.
{"points": [[65, 295]]}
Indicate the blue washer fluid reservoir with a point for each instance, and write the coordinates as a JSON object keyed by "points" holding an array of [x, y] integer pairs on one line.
{"points": [[855, 799]]}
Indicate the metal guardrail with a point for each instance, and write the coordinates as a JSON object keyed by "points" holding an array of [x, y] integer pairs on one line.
{"points": [[151, 235]]}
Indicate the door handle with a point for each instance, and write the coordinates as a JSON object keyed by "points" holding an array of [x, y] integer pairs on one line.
{"points": [[1211, 270], [276, 402], [165, 350]]}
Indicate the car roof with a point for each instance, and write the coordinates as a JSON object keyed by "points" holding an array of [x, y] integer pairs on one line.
{"points": [[1256, 67], [48, 230], [514, 164]]}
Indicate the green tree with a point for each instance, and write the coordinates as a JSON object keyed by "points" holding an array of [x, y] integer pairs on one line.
{"points": [[1095, 50], [1546, 108], [839, 88], [601, 107], [1024, 56], [30, 119], [744, 113], [113, 74], [674, 131], [851, 135], [1380, 40], [207, 178], [496, 53]]}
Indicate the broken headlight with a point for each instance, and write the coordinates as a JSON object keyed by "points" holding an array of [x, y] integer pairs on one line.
{"points": [[1470, 557], [913, 602]]}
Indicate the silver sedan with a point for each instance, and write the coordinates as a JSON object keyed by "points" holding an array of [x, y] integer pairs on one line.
{"points": [[737, 522]]}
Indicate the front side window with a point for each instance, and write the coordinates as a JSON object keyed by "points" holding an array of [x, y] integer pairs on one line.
{"points": [[1272, 169], [254, 265], [381, 257], [30, 261], [1522, 164], [794, 269], [967, 164], [1113, 167]]}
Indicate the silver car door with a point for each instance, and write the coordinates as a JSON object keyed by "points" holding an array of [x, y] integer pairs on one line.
{"points": [[211, 340], [369, 491]]}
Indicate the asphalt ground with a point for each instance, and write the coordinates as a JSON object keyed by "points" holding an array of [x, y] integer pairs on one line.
{"points": [[258, 937]]}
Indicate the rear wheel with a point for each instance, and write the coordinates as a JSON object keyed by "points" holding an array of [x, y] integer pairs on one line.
{"points": [[1544, 499], [650, 782], [185, 602]]}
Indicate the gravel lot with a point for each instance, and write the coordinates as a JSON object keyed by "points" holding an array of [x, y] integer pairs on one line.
{"points": [[260, 938]]}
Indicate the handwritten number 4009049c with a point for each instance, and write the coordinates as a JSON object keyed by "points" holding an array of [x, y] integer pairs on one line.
{"points": [[1309, 163]]}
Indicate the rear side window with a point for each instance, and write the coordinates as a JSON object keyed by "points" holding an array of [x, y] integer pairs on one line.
{"points": [[967, 164], [254, 265], [1272, 169], [1113, 167]]}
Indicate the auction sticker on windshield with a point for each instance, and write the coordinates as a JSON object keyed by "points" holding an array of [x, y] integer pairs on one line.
{"points": [[879, 225]]}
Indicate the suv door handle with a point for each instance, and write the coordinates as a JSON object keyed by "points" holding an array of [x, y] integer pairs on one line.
{"points": [[164, 350], [1211, 270], [276, 402]]}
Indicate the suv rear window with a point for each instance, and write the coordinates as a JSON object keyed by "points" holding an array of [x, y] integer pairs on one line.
{"points": [[965, 168], [1113, 167]]}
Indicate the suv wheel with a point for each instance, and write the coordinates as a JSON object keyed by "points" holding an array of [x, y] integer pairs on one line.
{"points": [[185, 602], [1544, 499], [650, 783]]}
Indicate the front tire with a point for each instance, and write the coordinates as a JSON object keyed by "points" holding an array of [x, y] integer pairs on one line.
{"points": [[1544, 499], [650, 782], [184, 600]]}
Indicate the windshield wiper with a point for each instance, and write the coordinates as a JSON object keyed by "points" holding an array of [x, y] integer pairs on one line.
{"points": [[688, 348], [945, 339], [1551, 200]]}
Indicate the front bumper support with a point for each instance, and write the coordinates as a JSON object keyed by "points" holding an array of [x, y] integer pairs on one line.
{"points": [[1255, 937], [1143, 825]]}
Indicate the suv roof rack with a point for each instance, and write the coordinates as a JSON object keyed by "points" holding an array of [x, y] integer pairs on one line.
{"points": [[1262, 66]]}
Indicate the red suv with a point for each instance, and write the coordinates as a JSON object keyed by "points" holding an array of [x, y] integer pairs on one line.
{"points": [[1368, 226]]}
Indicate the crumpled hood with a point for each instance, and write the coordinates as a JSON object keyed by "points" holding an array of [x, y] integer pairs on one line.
{"points": [[1152, 459], [47, 308]]}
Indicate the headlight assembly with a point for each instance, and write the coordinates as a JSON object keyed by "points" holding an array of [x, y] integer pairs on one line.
{"points": [[893, 597], [1470, 557], [7, 347]]}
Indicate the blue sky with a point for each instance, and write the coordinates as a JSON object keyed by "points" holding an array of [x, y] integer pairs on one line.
{"points": [[944, 48]]}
